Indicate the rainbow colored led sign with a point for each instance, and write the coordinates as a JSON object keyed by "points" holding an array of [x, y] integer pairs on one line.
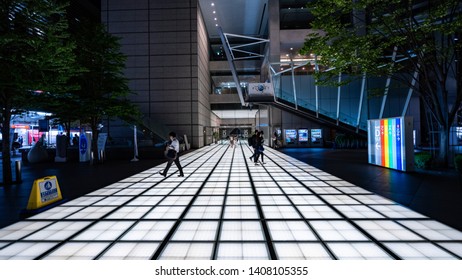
{"points": [[390, 143]]}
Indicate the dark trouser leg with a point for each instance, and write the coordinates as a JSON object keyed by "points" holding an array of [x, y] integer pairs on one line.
{"points": [[169, 163], [178, 165], [257, 154], [253, 155]]}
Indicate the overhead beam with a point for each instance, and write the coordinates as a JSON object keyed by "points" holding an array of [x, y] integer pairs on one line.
{"points": [[230, 59]]}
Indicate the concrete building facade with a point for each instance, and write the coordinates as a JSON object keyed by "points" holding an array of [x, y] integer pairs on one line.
{"points": [[167, 52]]}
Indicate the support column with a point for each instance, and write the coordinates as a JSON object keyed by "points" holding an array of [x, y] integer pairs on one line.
{"points": [[387, 85], [363, 87], [316, 90], [274, 30], [338, 96], [411, 90], [293, 81], [274, 52]]}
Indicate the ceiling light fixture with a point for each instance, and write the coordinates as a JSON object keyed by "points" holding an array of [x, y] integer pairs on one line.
{"points": [[213, 4]]}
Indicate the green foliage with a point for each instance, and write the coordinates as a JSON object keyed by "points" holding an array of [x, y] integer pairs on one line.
{"points": [[353, 42], [103, 87], [359, 36], [458, 162], [423, 160], [35, 54], [35, 50]]}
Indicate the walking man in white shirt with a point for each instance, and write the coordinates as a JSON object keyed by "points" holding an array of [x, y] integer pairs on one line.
{"points": [[173, 149]]}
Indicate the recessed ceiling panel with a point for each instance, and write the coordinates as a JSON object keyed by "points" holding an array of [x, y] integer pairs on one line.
{"points": [[241, 17]]}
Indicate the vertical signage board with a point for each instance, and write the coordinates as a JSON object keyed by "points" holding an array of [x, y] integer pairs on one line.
{"points": [[390, 143], [85, 146], [101, 144]]}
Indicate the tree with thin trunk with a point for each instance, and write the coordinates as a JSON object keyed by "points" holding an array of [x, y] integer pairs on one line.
{"points": [[103, 88], [36, 58], [395, 38]]}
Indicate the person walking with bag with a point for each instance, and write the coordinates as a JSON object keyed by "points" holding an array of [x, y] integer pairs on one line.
{"points": [[172, 152], [259, 148], [252, 143]]}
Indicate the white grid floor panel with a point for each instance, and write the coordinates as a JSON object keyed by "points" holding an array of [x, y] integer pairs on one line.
{"points": [[225, 208]]}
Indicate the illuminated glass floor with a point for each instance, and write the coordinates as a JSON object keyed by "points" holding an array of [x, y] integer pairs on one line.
{"points": [[227, 208]]}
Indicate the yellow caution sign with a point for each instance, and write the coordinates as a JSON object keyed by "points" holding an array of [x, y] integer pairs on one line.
{"points": [[44, 192]]}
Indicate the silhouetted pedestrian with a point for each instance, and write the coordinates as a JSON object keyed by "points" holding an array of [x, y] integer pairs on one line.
{"points": [[275, 140], [259, 148], [75, 140], [252, 143]]}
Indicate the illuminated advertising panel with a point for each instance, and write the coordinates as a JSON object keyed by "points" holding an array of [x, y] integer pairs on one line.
{"points": [[291, 136], [316, 133], [390, 143], [303, 135]]}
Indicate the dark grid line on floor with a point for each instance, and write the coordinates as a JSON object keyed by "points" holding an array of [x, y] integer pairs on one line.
{"points": [[223, 209]]}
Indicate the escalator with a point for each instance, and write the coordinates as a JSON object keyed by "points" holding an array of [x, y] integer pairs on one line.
{"points": [[302, 110], [320, 118], [153, 130]]}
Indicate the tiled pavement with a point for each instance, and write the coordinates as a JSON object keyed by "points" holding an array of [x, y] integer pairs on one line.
{"points": [[226, 207]]}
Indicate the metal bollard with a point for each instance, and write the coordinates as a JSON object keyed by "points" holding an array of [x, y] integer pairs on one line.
{"points": [[18, 171]]}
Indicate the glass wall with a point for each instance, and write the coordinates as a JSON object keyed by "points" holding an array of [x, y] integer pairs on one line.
{"points": [[301, 89]]}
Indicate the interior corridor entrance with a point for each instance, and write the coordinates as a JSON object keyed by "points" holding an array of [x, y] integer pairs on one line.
{"points": [[221, 134]]}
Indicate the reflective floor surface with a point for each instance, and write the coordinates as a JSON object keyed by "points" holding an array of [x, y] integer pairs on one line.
{"points": [[226, 207]]}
